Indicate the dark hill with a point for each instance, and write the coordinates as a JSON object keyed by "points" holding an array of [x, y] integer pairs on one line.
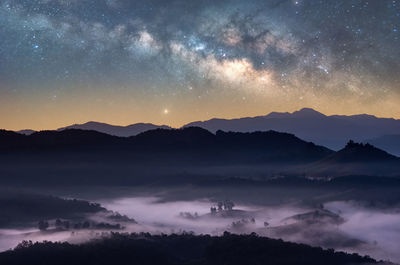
{"points": [[358, 152], [53, 140], [174, 138], [191, 143], [178, 249], [356, 158]]}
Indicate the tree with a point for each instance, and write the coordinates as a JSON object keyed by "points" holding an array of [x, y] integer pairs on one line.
{"points": [[59, 224], [228, 205], [213, 210], [66, 224], [85, 225], [43, 225]]}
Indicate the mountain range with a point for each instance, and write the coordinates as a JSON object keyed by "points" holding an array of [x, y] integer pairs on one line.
{"points": [[86, 155], [331, 131]]}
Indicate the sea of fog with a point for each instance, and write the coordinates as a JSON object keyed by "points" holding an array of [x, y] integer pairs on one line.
{"points": [[363, 230]]}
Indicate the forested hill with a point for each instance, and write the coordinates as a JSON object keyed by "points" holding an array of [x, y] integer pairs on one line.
{"points": [[145, 249], [162, 144]]}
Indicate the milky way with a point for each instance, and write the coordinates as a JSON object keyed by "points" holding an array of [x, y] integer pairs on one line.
{"points": [[175, 61]]}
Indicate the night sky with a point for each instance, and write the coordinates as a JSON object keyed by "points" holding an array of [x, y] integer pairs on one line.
{"points": [[177, 61]]}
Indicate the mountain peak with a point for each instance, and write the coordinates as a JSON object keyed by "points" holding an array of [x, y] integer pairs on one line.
{"points": [[307, 112]]}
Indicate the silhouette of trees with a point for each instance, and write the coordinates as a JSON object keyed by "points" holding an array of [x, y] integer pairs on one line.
{"points": [[60, 224], [43, 225], [213, 209], [243, 223], [186, 248], [220, 205], [188, 215], [226, 205]]}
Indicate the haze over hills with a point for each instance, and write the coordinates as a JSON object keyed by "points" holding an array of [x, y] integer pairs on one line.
{"points": [[331, 131]]}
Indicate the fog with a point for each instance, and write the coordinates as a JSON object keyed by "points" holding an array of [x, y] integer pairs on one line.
{"points": [[343, 225], [364, 230], [381, 229]]}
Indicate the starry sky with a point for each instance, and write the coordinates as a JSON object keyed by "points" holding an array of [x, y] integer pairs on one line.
{"points": [[176, 61]]}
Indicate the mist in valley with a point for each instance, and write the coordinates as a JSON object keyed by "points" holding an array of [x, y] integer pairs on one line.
{"points": [[353, 226]]}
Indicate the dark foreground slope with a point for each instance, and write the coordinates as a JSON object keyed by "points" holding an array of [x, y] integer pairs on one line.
{"points": [[178, 249]]}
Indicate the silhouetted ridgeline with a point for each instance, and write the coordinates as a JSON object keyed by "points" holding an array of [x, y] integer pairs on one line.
{"points": [[178, 249], [90, 157], [310, 125], [189, 144]]}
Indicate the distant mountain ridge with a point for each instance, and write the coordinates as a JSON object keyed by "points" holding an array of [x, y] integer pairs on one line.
{"points": [[122, 131], [330, 131]]}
